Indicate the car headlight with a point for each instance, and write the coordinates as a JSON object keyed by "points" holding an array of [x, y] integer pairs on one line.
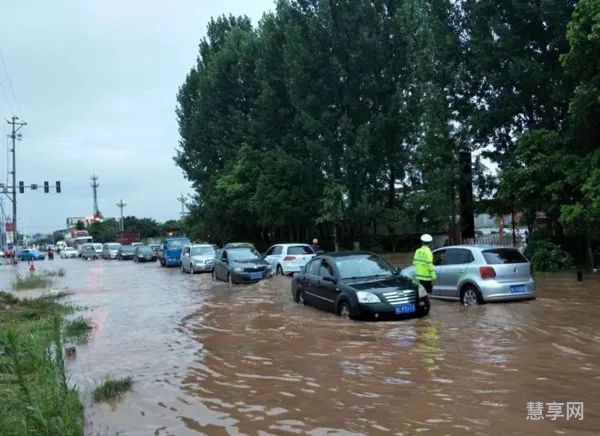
{"points": [[237, 270], [422, 291], [367, 297]]}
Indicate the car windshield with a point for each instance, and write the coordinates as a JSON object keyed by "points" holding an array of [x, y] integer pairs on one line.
{"points": [[97, 246], [500, 256], [363, 266], [176, 243], [203, 251], [144, 250], [127, 249], [300, 250], [243, 254], [113, 246]]}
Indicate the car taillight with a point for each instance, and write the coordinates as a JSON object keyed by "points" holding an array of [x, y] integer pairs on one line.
{"points": [[288, 258], [487, 272]]}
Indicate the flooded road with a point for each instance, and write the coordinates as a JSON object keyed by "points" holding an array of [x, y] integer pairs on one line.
{"points": [[216, 359]]}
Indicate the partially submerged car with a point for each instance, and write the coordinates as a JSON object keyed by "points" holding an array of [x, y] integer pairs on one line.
{"points": [[477, 274], [359, 285], [240, 265], [197, 258]]}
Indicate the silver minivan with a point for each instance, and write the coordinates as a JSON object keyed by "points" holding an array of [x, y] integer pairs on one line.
{"points": [[197, 258], [91, 251], [110, 250]]}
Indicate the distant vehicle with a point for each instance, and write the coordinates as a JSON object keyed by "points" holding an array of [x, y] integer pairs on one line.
{"points": [[169, 254], [91, 251], [143, 253], [197, 258], [125, 252], [359, 285], [31, 254], [60, 246], [125, 238], [240, 265], [68, 253], [239, 244], [76, 239], [135, 244], [154, 247], [110, 250], [288, 258], [477, 274]]}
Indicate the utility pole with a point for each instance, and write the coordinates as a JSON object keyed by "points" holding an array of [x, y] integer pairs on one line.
{"points": [[121, 204], [95, 185], [182, 199], [16, 126]]}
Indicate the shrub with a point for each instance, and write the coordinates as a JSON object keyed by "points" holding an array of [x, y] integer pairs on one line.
{"points": [[547, 256]]}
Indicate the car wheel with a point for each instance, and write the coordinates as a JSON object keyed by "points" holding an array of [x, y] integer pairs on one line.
{"points": [[192, 269], [470, 296], [279, 270], [344, 310], [300, 298]]}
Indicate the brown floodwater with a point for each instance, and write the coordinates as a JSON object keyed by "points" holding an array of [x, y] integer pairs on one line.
{"points": [[217, 359]]}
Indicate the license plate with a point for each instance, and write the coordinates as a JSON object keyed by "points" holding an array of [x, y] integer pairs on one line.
{"points": [[255, 276], [517, 289], [405, 308]]}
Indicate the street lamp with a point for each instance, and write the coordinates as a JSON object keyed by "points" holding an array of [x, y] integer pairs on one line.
{"points": [[121, 204]]}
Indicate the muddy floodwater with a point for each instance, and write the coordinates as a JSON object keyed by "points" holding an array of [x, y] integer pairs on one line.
{"points": [[217, 359]]}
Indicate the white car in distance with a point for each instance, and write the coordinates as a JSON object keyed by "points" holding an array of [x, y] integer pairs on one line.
{"points": [[69, 253], [286, 259]]}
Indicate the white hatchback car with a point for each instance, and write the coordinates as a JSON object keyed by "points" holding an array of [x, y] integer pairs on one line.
{"points": [[288, 258]]}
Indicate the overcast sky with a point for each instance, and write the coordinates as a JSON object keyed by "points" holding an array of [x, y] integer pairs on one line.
{"points": [[96, 83]]}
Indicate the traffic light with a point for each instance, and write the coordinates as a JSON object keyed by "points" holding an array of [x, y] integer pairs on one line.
{"points": [[46, 187], [58, 186], [21, 187]]}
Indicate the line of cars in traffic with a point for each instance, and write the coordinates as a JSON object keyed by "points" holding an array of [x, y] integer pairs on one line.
{"points": [[354, 284]]}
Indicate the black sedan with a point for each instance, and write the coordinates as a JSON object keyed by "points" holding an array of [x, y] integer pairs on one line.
{"points": [[359, 285], [125, 252], [241, 264], [144, 253]]}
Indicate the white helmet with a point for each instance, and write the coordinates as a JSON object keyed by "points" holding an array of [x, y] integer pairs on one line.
{"points": [[426, 238]]}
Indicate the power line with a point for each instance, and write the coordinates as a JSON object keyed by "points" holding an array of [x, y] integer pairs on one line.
{"points": [[12, 90], [80, 143]]}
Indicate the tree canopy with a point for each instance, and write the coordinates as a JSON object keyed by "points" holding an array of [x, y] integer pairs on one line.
{"points": [[345, 119]]}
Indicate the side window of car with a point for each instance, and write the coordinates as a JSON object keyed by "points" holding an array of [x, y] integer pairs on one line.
{"points": [[270, 251], [326, 269], [224, 256], [278, 250], [439, 257], [186, 250], [313, 267], [458, 256]]}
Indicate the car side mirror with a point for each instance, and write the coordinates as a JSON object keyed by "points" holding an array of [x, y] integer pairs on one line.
{"points": [[330, 279]]}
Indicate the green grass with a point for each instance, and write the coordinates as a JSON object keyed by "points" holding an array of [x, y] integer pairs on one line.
{"points": [[112, 388], [34, 396], [61, 272], [31, 281], [78, 327]]}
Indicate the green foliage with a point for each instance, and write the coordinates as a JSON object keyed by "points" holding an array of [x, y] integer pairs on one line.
{"points": [[34, 396], [546, 256], [31, 281], [112, 388]]}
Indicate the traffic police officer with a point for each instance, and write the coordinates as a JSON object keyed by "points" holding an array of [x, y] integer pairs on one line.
{"points": [[423, 262]]}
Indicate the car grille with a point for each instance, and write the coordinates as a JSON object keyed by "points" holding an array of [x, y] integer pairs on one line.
{"points": [[400, 297], [251, 270]]}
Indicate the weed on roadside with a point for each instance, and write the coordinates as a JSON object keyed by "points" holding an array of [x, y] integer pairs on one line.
{"points": [[61, 272], [112, 388], [31, 281], [78, 327]]}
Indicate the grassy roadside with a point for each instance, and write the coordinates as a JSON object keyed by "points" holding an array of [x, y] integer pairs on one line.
{"points": [[34, 396]]}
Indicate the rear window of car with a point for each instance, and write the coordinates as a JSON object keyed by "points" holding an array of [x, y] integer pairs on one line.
{"points": [[300, 250], [501, 256]]}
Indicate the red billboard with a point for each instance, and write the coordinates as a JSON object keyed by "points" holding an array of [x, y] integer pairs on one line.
{"points": [[9, 227]]}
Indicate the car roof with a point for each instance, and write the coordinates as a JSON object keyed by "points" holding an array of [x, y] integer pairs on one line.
{"points": [[292, 244], [200, 245], [479, 247], [341, 254]]}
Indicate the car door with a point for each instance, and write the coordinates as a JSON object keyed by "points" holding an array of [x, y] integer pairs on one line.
{"points": [[438, 260], [269, 258], [223, 266], [452, 271], [326, 291], [309, 282], [186, 263]]}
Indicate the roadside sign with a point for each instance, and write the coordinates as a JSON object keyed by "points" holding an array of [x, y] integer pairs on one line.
{"points": [[9, 227]]}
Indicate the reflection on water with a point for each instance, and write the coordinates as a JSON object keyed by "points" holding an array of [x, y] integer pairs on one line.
{"points": [[210, 358]]}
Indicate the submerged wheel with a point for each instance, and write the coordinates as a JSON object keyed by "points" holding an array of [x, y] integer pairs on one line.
{"points": [[344, 310], [192, 269], [300, 298], [470, 296], [279, 270]]}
